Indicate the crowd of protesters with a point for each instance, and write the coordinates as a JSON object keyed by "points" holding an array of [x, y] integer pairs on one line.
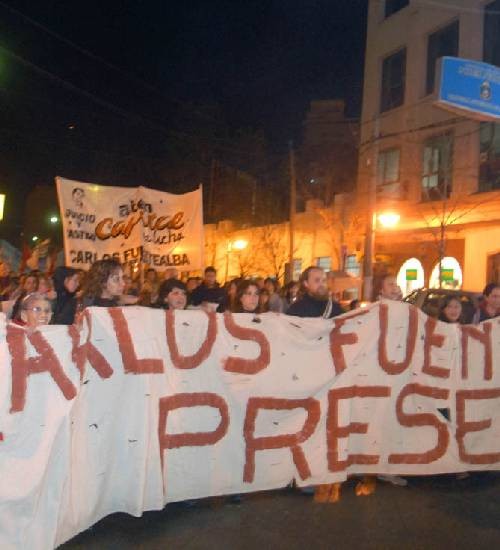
{"points": [[68, 291]]}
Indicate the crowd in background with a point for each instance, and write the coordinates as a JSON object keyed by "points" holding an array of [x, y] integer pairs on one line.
{"points": [[35, 298]]}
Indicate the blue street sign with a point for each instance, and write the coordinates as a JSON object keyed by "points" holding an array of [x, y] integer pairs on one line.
{"points": [[470, 88]]}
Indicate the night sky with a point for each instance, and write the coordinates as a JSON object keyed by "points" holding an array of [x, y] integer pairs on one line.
{"points": [[183, 67]]}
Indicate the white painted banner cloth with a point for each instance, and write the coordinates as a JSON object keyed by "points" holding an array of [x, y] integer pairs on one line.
{"points": [[149, 407]]}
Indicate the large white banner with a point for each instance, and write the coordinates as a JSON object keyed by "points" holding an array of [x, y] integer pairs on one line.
{"points": [[139, 407], [131, 224]]}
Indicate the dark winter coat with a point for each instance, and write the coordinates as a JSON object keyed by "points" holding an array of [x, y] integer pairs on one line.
{"points": [[307, 306], [66, 302]]}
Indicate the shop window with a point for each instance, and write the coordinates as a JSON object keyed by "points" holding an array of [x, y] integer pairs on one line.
{"points": [[324, 262], [352, 265], [451, 274], [411, 276]]}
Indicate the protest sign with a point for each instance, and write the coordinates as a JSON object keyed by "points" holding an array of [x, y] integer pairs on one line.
{"points": [[131, 224]]}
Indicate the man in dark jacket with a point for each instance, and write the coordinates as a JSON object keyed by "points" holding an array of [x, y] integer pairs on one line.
{"points": [[313, 299], [209, 292], [66, 283]]}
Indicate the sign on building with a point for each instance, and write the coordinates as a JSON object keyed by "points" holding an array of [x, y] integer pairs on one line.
{"points": [[469, 88]]}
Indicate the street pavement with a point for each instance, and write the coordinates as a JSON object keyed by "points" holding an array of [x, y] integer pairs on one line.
{"points": [[438, 512]]}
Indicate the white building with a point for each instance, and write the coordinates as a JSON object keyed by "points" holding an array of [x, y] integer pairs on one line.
{"points": [[429, 164]]}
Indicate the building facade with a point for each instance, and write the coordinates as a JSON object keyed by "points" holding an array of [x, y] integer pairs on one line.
{"points": [[264, 251], [329, 151], [440, 172]]}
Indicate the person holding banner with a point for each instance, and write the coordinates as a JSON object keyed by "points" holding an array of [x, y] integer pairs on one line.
{"points": [[247, 298], [313, 300], [389, 290], [172, 295], [35, 311], [104, 284]]}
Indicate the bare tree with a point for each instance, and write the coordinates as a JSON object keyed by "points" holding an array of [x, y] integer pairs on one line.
{"points": [[339, 225], [273, 251]]}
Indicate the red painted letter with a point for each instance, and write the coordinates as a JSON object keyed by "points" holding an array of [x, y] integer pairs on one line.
{"points": [[436, 340], [424, 419], [191, 439], [483, 336], [464, 427], [23, 366], [391, 367], [247, 366], [192, 361], [87, 351], [254, 444], [130, 362], [338, 340], [334, 431]]}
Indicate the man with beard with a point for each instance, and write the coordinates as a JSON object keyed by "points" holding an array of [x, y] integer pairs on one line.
{"points": [[313, 300]]}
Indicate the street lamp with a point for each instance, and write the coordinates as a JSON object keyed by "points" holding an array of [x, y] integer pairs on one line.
{"points": [[240, 244], [388, 220], [34, 238], [54, 219]]}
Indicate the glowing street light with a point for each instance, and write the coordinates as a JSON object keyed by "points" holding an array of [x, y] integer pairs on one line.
{"points": [[34, 238], [240, 244], [54, 219], [388, 219], [2, 205]]}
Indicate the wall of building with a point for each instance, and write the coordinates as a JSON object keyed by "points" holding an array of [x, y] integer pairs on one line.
{"points": [[398, 127], [408, 126], [480, 243], [319, 233]]}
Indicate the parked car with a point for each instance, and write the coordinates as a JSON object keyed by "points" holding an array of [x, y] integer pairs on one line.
{"points": [[429, 300]]}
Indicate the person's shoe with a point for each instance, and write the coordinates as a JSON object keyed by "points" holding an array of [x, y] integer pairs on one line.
{"points": [[321, 493], [394, 480], [366, 486], [334, 495]]}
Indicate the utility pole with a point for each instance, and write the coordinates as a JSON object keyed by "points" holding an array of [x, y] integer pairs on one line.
{"points": [[371, 217], [293, 202]]}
